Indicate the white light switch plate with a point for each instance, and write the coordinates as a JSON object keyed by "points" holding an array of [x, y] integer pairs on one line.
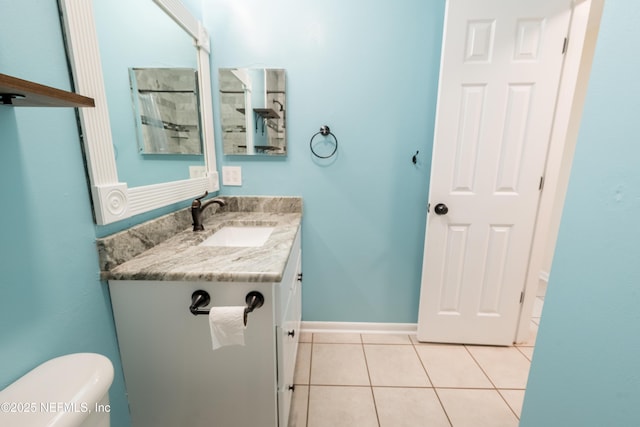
{"points": [[232, 175]]}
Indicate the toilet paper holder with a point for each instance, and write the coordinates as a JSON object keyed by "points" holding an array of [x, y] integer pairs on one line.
{"points": [[200, 298]]}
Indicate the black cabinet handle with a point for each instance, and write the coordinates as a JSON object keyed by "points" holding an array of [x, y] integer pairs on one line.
{"points": [[292, 333]]}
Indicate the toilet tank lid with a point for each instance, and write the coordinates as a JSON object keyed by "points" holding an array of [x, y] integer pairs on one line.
{"points": [[76, 380]]}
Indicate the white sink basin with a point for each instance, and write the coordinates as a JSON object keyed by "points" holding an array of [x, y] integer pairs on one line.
{"points": [[246, 236]]}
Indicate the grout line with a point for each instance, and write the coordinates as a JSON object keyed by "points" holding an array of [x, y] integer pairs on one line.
{"points": [[310, 363], [366, 365], [393, 344], [410, 386], [375, 405], [435, 390], [505, 401], [494, 385], [309, 381], [418, 387], [342, 385], [422, 364], [481, 368], [343, 343], [526, 357]]}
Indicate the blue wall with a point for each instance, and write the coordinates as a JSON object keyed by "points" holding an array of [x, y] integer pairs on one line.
{"points": [[370, 72], [51, 300], [585, 368]]}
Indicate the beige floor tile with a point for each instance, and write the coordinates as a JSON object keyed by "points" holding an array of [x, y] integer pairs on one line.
{"points": [[451, 366], [341, 407], [506, 367], [409, 407], [338, 364], [395, 365], [386, 339], [527, 351], [303, 364], [338, 337], [476, 408], [306, 337], [514, 399], [298, 411]]}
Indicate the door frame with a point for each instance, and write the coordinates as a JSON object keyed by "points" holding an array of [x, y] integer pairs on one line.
{"points": [[583, 32]]}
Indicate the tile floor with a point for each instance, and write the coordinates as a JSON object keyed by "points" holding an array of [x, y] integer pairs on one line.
{"points": [[381, 380]]}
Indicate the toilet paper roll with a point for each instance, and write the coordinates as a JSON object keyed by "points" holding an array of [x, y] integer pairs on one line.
{"points": [[227, 326]]}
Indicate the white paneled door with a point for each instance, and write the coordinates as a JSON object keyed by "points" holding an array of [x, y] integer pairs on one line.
{"points": [[499, 77]]}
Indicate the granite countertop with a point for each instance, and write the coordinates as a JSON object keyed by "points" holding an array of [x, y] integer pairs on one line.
{"points": [[179, 258]]}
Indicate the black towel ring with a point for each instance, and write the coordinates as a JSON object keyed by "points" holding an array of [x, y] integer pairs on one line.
{"points": [[324, 131]]}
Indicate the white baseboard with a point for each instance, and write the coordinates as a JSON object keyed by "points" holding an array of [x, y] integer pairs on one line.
{"points": [[360, 327]]}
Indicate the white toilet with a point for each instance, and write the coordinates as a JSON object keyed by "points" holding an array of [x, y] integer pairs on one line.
{"points": [[68, 391]]}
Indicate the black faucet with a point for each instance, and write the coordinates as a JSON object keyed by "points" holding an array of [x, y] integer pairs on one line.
{"points": [[197, 207]]}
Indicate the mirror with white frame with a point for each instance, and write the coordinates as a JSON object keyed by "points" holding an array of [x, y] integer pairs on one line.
{"points": [[113, 198]]}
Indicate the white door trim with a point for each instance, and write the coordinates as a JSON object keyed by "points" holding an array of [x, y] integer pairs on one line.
{"points": [[583, 32]]}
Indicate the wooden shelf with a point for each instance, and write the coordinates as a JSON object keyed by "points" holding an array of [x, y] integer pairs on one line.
{"points": [[30, 94], [265, 113]]}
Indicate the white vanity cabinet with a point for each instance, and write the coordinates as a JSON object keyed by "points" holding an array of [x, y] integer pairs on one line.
{"points": [[172, 375]]}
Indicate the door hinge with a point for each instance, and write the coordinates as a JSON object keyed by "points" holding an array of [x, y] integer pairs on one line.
{"points": [[565, 43], [521, 297], [541, 185]]}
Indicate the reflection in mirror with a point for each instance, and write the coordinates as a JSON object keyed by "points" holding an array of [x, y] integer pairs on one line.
{"points": [[166, 110], [253, 111]]}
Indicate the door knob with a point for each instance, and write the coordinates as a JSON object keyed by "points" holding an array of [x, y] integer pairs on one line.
{"points": [[441, 209]]}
